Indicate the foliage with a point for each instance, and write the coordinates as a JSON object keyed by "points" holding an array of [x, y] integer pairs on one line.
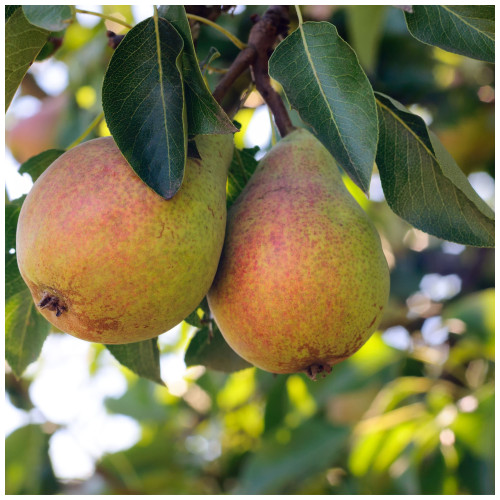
{"points": [[414, 418]]}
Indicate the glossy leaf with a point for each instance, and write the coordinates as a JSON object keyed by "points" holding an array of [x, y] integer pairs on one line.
{"points": [[49, 17], [213, 352], [205, 116], [23, 42], [25, 331], [143, 102], [423, 184], [9, 10], [324, 82], [143, 358], [36, 165], [468, 30], [242, 167]]}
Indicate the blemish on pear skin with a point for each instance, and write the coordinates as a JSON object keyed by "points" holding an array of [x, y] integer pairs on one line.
{"points": [[52, 303]]}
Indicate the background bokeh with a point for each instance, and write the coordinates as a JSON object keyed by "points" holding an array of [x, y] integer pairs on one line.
{"points": [[411, 413]]}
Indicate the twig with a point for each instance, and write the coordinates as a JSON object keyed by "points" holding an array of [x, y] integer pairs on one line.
{"points": [[222, 30], [104, 16], [243, 60], [262, 37], [89, 129]]}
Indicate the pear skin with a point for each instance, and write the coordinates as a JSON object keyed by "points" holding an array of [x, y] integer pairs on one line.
{"points": [[302, 281], [106, 258]]}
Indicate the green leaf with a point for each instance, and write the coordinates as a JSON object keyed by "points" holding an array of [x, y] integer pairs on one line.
{"points": [[277, 404], [324, 82], [423, 184], [14, 283], [9, 10], [194, 319], [23, 42], [49, 17], [28, 470], [365, 24], [274, 467], [205, 116], [242, 167], [143, 102], [143, 358], [25, 331], [214, 353], [36, 165], [468, 30], [211, 56]]}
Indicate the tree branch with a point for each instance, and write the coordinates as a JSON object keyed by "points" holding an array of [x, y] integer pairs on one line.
{"points": [[261, 40]]}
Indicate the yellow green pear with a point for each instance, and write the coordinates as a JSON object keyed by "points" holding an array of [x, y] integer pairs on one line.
{"points": [[302, 281], [106, 258]]}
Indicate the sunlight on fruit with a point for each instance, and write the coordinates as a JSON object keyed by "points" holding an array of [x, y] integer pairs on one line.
{"points": [[85, 97]]}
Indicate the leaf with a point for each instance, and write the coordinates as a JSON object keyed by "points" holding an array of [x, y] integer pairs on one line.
{"points": [[205, 116], [143, 358], [194, 318], [468, 30], [23, 42], [25, 331], [49, 17], [143, 103], [277, 405], [36, 165], [214, 353], [365, 24], [242, 167], [9, 10], [423, 184], [28, 470], [211, 56], [324, 82], [274, 467], [14, 283]]}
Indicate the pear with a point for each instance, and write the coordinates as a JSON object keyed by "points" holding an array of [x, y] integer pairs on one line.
{"points": [[106, 258], [302, 281]]}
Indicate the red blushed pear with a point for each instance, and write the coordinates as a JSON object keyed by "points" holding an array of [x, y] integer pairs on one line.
{"points": [[302, 282], [106, 258]]}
